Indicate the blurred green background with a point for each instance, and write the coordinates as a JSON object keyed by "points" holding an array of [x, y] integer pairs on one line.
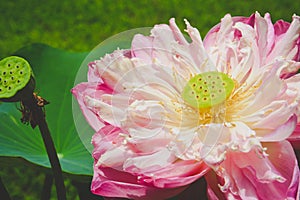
{"points": [[80, 25]]}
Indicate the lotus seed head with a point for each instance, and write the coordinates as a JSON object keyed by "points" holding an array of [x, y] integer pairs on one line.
{"points": [[15, 73], [207, 89]]}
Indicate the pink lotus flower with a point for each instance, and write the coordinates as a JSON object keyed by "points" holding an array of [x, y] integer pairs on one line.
{"points": [[168, 112]]}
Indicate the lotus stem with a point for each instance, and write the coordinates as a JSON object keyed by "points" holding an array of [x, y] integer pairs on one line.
{"points": [[17, 83]]}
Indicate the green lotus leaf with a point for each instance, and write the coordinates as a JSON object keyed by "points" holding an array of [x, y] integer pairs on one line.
{"points": [[54, 72]]}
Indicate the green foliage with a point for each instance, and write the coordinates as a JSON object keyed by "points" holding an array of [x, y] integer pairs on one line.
{"points": [[28, 179], [81, 25]]}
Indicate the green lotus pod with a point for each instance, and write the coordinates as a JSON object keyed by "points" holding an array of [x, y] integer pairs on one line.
{"points": [[16, 79], [207, 89]]}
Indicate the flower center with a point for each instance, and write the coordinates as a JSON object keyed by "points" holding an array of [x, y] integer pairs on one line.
{"points": [[207, 89]]}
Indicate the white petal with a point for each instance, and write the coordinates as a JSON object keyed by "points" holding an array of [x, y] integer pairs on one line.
{"points": [[144, 163], [285, 47], [108, 113]]}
